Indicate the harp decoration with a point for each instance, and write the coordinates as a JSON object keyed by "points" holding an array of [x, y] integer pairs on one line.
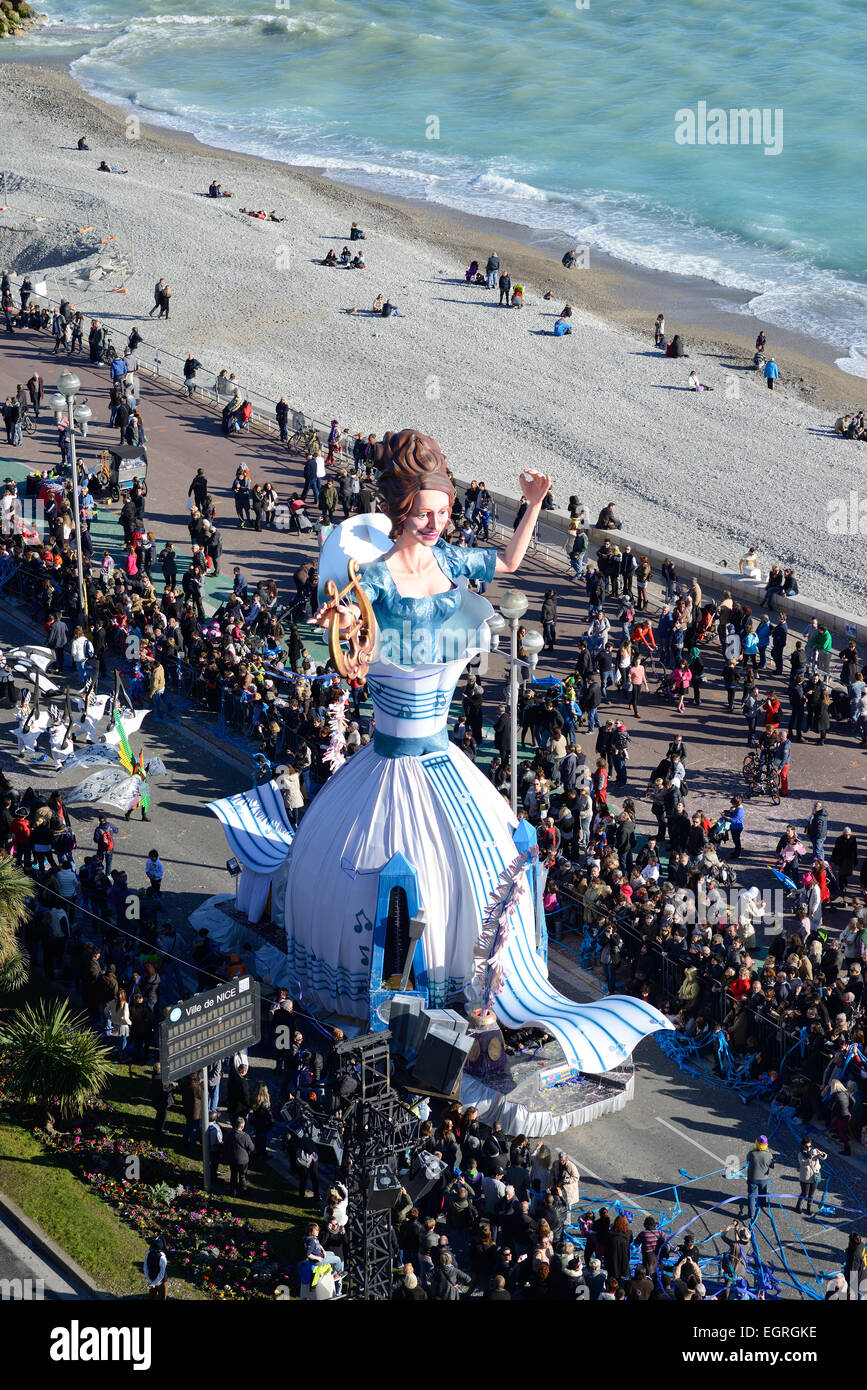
{"points": [[358, 632]]}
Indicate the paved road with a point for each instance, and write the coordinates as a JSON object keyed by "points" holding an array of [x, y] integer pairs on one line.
{"points": [[679, 1129], [19, 1262]]}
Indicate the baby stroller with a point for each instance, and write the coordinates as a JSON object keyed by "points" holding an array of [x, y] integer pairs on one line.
{"points": [[840, 710], [725, 875], [719, 831], [705, 628], [665, 686]]}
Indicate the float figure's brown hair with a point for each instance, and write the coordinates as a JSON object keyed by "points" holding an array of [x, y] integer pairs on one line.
{"points": [[409, 462]]}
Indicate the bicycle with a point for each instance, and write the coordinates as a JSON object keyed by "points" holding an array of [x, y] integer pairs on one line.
{"points": [[28, 424], [654, 665], [762, 778], [304, 441]]}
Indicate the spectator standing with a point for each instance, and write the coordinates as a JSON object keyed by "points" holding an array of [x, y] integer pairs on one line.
{"points": [[191, 366], [816, 830], [155, 872], [103, 839], [241, 1151], [155, 1266], [760, 1161], [736, 825]]}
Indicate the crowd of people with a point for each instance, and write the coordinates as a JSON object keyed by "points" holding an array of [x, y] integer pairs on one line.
{"points": [[630, 896]]}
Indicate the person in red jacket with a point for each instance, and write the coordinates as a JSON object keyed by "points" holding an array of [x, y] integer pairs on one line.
{"points": [[643, 633], [20, 831], [772, 708], [599, 784]]}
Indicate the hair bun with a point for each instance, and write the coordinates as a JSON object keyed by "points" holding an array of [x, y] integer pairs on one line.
{"points": [[407, 454], [407, 463]]}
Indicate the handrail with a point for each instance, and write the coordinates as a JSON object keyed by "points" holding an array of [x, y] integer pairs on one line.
{"points": [[552, 555], [212, 394]]}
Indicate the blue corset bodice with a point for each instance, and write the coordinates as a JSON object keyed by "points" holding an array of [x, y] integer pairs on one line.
{"points": [[423, 645]]}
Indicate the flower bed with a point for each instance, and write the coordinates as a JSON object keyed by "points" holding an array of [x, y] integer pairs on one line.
{"points": [[209, 1245], [204, 1242]]}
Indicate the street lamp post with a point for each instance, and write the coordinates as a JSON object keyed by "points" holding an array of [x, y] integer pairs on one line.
{"points": [[67, 386], [83, 414], [513, 606]]}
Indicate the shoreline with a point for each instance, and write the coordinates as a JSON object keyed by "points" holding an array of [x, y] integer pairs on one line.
{"points": [[617, 291], [601, 411]]}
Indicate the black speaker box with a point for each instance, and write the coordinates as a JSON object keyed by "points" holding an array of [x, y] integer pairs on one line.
{"points": [[441, 1059], [384, 1190], [328, 1143], [404, 1021], [429, 1170], [325, 1139]]}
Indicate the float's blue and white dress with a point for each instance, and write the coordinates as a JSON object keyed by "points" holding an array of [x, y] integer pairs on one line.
{"points": [[411, 790]]}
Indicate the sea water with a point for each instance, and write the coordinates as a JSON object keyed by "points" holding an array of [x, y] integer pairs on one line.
{"points": [[597, 121]]}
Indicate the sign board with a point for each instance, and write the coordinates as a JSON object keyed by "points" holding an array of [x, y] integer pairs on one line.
{"points": [[211, 1025]]}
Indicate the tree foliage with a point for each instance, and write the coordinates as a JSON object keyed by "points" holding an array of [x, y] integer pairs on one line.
{"points": [[54, 1057]]}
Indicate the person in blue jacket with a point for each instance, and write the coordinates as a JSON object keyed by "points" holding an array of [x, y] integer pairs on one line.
{"points": [[736, 825], [751, 647], [816, 830], [771, 373], [561, 327]]}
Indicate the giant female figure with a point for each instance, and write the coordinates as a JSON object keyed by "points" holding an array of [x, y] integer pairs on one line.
{"points": [[412, 794]]}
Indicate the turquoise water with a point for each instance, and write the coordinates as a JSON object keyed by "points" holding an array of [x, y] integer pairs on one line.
{"points": [[549, 115]]}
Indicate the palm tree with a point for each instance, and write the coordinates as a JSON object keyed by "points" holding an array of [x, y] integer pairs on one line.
{"points": [[15, 972], [54, 1057], [16, 889]]}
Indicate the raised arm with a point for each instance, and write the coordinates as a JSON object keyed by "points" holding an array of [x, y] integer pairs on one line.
{"points": [[535, 487]]}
